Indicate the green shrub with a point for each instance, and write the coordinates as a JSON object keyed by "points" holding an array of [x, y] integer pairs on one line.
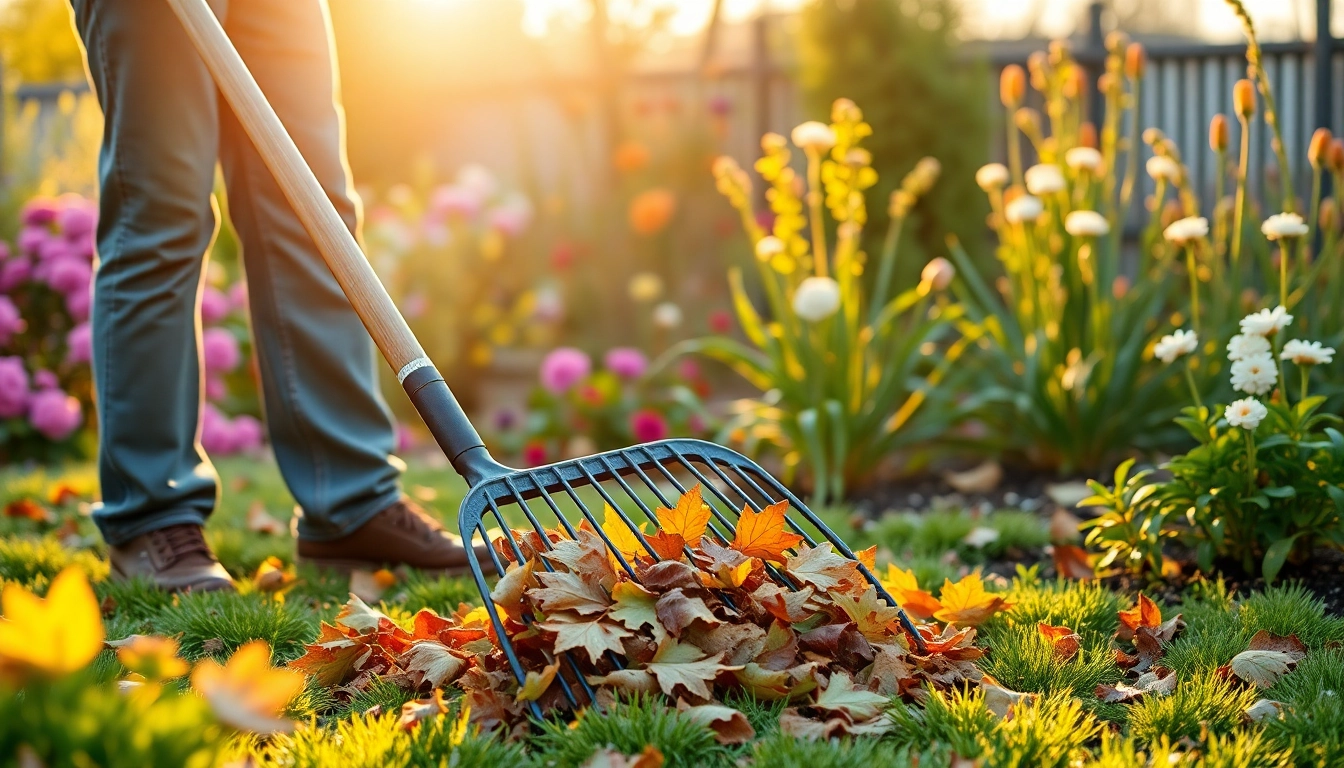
{"points": [[230, 619], [627, 728]]}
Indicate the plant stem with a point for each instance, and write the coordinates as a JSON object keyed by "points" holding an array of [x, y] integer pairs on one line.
{"points": [[1250, 456], [886, 265], [1131, 166], [1194, 389], [816, 224], [1306, 376], [1283, 272], [1239, 214], [1193, 269], [1014, 148]]}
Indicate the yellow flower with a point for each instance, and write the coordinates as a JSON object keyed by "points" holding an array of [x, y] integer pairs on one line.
{"points": [[646, 287], [630, 156], [58, 635], [247, 693]]}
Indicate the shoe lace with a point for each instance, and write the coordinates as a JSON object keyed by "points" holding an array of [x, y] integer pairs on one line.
{"points": [[179, 541]]}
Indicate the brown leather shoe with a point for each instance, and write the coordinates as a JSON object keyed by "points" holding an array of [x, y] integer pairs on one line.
{"points": [[402, 534], [175, 558]]}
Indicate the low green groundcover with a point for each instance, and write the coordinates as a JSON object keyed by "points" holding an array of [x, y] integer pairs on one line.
{"points": [[1224, 684]]}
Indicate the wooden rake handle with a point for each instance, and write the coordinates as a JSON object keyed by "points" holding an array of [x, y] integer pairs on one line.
{"points": [[342, 253]]}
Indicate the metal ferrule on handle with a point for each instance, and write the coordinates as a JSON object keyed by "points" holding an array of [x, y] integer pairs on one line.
{"points": [[425, 386]]}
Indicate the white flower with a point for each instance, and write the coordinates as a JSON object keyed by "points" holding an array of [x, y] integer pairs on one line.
{"points": [[814, 135], [817, 298], [1163, 168], [1175, 345], [769, 247], [1086, 224], [1283, 225], [1246, 413], [991, 177], [1083, 159], [1024, 208], [1307, 353], [1254, 375], [1044, 179], [938, 273], [1266, 322], [667, 315], [1187, 229], [1245, 345]]}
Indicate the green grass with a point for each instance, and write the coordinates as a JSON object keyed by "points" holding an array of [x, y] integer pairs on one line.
{"points": [[1199, 724]]}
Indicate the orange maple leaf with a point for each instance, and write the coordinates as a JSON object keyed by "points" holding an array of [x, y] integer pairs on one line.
{"points": [[967, 603], [761, 534], [688, 519], [903, 586], [667, 546], [1065, 641], [1145, 613]]}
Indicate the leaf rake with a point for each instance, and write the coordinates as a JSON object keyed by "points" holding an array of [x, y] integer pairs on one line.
{"points": [[627, 481]]}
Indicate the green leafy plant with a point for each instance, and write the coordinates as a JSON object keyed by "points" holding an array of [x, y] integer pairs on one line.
{"points": [[849, 375]]}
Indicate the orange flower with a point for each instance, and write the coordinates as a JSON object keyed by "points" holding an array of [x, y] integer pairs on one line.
{"points": [[651, 211], [630, 156]]}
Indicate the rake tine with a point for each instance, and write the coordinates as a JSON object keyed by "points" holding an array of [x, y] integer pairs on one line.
{"points": [[587, 513], [653, 517], [666, 502], [509, 654], [671, 478], [527, 510], [550, 502], [746, 497], [796, 528], [508, 532]]}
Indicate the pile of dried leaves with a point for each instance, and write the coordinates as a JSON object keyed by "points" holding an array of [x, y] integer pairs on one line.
{"points": [[678, 613]]}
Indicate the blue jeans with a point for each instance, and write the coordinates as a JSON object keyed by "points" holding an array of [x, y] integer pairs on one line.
{"points": [[165, 128]]}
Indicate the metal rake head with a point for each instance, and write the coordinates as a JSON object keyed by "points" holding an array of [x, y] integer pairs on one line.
{"points": [[632, 482]]}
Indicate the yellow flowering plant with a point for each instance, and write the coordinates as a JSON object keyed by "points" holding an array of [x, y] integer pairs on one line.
{"points": [[848, 376]]}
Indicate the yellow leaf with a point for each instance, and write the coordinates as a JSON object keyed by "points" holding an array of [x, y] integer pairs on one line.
{"points": [[58, 635], [537, 682], [967, 603], [761, 534], [621, 536], [247, 693], [152, 656], [899, 579], [689, 518], [868, 557]]}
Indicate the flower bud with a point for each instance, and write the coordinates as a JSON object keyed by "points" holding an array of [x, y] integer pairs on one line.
{"points": [[1012, 86], [773, 142], [1120, 287], [1329, 215], [1319, 147], [1116, 41], [1218, 133], [1335, 157], [1109, 84], [938, 273], [1028, 120], [814, 136], [1243, 98], [1038, 68], [1135, 61], [1087, 135], [1075, 84]]}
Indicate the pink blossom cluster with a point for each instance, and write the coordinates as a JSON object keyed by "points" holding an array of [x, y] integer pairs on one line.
{"points": [[222, 353]]}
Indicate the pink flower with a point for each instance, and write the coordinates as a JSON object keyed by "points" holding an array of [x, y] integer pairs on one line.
{"points": [[69, 274], [455, 201], [218, 436], [14, 272], [13, 388], [696, 423], [220, 350], [720, 105], [534, 454], [688, 369], [648, 426], [512, 216], [405, 438], [215, 388], [31, 239], [79, 344], [563, 368], [626, 362], [79, 303], [214, 305], [238, 296], [720, 321], [39, 212], [44, 379], [54, 248], [54, 414], [4, 251], [77, 220], [247, 434], [11, 322]]}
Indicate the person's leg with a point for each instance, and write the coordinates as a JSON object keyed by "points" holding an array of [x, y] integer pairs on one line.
{"points": [[332, 432], [156, 221]]}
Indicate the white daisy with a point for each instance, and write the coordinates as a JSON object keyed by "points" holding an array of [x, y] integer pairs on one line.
{"points": [[1246, 413], [1266, 322], [1024, 208], [991, 177], [1307, 352], [1282, 225], [814, 135], [1255, 375], [1086, 224], [1083, 159], [1044, 179], [1244, 345], [1175, 345], [816, 299], [1187, 229], [1163, 168]]}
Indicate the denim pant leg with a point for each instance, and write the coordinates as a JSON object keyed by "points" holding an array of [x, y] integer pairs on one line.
{"points": [[156, 221], [331, 430]]}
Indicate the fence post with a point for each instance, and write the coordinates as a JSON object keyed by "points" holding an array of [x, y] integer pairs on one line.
{"points": [[760, 80], [1093, 59], [1323, 54]]}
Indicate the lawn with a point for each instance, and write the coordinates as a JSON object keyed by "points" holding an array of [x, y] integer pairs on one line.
{"points": [[1072, 715]]}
